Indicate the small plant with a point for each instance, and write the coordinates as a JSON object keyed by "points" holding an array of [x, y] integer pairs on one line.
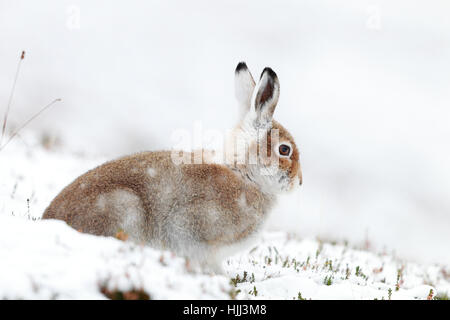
{"points": [[299, 296], [135, 294], [234, 281], [328, 280], [29, 216], [378, 270], [233, 293], [441, 296], [347, 273], [317, 253], [254, 291], [399, 278], [389, 293], [127, 295], [8, 108], [359, 273], [328, 264], [430, 295]]}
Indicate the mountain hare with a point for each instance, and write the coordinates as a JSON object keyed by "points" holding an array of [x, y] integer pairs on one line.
{"points": [[196, 210]]}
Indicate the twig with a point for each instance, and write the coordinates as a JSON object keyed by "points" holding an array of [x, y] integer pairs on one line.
{"points": [[28, 121], [5, 119]]}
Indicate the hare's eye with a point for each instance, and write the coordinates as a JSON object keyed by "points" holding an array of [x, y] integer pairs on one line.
{"points": [[284, 150]]}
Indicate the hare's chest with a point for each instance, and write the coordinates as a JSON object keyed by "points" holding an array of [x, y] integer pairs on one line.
{"points": [[251, 210]]}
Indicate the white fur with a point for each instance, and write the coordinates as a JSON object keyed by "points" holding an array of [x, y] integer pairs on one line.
{"points": [[244, 86], [101, 202], [127, 209], [151, 172]]}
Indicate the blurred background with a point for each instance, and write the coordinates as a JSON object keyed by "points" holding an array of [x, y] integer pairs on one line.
{"points": [[365, 91]]}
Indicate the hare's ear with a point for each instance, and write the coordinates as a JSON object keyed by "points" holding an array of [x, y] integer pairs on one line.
{"points": [[244, 86], [265, 97]]}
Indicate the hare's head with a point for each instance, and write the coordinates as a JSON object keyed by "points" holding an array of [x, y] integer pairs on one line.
{"points": [[271, 157]]}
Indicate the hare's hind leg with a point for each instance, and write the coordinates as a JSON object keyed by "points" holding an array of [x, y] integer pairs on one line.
{"points": [[125, 212]]}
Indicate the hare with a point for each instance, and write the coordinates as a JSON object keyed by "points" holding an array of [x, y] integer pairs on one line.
{"points": [[200, 211]]}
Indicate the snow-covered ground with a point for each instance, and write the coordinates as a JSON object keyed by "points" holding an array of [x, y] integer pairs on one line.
{"points": [[43, 259], [364, 91]]}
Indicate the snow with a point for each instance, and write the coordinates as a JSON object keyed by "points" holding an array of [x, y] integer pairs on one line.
{"points": [[46, 259], [283, 266], [364, 92], [49, 260]]}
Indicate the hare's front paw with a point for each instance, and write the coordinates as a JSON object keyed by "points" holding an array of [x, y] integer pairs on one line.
{"points": [[213, 267], [208, 265]]}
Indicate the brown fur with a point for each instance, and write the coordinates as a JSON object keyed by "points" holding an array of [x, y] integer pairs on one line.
{"points": [[212, 183], [291, 165]]}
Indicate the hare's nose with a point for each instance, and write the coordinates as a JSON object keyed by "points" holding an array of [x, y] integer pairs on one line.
{"points": [[300, 177]]}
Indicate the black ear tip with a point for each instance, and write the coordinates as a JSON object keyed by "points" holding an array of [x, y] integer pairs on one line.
{"points": [[269, 72], [241, 66]]}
